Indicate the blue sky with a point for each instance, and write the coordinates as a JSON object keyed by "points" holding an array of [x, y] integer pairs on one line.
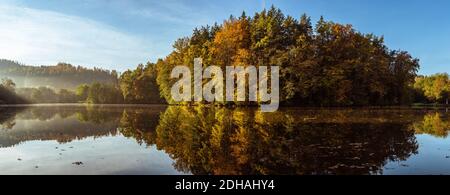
{"points": [[119, 34]]}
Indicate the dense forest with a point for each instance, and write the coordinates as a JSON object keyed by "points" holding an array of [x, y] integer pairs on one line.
{"points": [[139, 86], [325, 64]]}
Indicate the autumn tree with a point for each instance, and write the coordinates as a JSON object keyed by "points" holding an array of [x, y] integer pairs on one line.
{"points": [[435, 87], [329, 64], [231, 44]]}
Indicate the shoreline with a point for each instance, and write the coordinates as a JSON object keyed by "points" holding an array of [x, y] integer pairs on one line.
{"points": [[432, 107]]}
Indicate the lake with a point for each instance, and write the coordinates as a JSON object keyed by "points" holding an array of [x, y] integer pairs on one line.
{"points": [[166, 140]]}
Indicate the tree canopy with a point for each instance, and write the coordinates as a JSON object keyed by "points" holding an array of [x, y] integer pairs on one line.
{"points": [[435, 87], [139, 85], [329, 64]]}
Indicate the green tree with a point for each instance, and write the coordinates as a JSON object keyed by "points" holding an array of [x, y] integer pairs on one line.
{"points": [[104, 94], [435, 87], [140, 85], [82, 92]]}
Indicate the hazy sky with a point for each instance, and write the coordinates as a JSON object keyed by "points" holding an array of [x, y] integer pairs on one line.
{"points": [[119, 34]]}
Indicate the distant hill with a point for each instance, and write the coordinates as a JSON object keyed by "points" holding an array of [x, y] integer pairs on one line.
{"points": [[60, 76], [4, 64]]}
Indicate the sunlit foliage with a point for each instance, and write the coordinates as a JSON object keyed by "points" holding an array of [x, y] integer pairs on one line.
{"points": [[435, 87], [327, 64]]}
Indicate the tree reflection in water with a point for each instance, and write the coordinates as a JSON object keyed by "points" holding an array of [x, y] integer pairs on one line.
{"points": [[235, 141], [433, 124], [7, 117], [208, 140], [61, 123]]}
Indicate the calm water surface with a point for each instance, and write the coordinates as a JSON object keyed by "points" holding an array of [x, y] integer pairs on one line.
{"points": [[76, 139]]}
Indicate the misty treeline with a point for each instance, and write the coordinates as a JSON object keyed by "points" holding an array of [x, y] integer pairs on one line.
{"points": [[321, 64], [96, 86], [95, 93], [7, 93], [60, 76], [56, 84], [132, 87]]}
